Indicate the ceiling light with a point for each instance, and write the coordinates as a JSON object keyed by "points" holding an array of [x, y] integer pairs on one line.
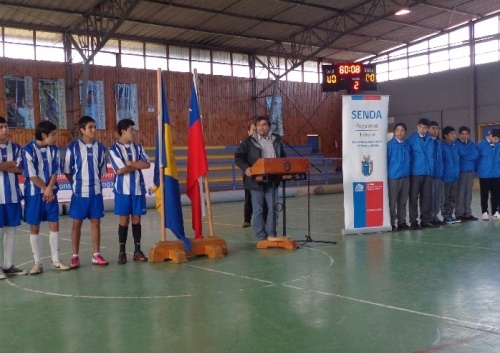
{"points": [[403, 11]]}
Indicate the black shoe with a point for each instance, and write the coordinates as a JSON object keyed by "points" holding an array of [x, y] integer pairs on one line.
{"points": [[122, 258], [469, 218], [415, 226], [394, 228], [460, 218], [429, 225], [403, 226]]}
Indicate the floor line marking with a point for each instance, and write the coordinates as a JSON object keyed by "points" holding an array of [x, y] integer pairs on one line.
{"points": [[270, 283], [96, 296], [474, 325]]}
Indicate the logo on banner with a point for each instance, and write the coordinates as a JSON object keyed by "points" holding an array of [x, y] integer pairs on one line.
{"points": [[367, 166]]}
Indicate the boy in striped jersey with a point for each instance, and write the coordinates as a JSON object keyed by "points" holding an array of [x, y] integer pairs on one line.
{"points": [[41, 164], [10, 198], [127, 159], [84, 165]]}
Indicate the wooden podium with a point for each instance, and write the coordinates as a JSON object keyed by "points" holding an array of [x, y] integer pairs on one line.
{"points": [[275, 170]]}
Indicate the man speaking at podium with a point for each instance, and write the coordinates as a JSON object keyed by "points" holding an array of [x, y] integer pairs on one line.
{"points": [[262, 144]]}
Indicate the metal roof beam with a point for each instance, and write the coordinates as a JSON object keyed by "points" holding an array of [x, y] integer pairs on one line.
{"points": [[100, 23]]}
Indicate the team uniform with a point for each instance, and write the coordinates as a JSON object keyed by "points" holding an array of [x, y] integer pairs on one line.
{"points": [[398, 170], [42, 162], [10, 206], [86, 163], [451, 172], [489, 176], [129, 188], [468, 157], [421, 173]]}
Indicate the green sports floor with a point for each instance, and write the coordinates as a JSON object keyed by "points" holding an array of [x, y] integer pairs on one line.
{"points": [[435, 290]]}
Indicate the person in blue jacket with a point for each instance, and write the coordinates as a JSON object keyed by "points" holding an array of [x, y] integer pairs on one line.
{"points": [[437, 173], [468, 154], [421, 167], [451, 172], [398, 166], [488, 171]]}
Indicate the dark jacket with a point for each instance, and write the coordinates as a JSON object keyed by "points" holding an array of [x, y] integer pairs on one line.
{"points": [[249, 152]]}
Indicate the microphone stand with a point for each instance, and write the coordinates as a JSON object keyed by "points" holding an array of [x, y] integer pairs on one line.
{"points": [[308, 235]]}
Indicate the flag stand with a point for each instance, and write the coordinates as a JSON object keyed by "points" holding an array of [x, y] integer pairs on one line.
{"points": [[164, 250], [212, 246]]}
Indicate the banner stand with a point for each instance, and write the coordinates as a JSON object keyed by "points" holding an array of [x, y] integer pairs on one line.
{"points": [[364, 158]]}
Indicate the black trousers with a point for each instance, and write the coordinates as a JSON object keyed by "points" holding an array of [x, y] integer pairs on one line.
{"points": [[487, 187]]}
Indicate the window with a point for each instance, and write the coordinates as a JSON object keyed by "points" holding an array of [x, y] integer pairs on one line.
{"points": [[418, 65], [486, 52], [486, 27], [439, 61], [459, 57]]}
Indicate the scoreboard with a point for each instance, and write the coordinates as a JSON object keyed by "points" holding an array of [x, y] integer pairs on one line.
{"points": [[353, 77]]}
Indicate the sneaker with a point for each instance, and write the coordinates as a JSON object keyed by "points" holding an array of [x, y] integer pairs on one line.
{"points": [[60, 266], [2, 275], [452, 220], [415, 226], [139, 256], [75, 262], [99, 260], [496, 215], [470, 218], [37, 269], [485, 216], [122, 258], [14, 271], [245, 225], [403, 226]]}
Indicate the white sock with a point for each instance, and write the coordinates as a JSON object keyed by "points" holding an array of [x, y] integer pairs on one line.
{"points": [[54, 246], [95, 254], [36, 247], [9, 239]]}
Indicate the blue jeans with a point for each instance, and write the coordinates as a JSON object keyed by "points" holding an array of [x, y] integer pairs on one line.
{"points": [[263, 229]]}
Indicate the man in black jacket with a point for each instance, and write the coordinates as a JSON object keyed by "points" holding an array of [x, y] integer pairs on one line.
{"points": [[262, 144]]}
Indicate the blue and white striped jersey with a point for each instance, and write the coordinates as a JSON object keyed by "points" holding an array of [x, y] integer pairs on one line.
{"points": [[9, 185], [87, 164], [42, 162], [130, 183]]}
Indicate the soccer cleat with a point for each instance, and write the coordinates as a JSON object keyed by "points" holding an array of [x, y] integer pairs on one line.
{"points": [[75, 262], [37, 269], [496, 215], [99, 260], [485, 216], [122, 258], [139, 256], [2, 275], [60, 266], [14, 271]]}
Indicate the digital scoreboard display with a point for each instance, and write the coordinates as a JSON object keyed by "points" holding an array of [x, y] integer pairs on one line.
{"points": [[352, 77]]}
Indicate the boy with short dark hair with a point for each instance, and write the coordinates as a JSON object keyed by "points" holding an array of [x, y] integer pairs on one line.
{"points": [[489, 173], [451, 171], [41, 164], [468, 154], [437, 173], [84, 165], [398, 167], [421, 171], [10, 199], [128, 159]]}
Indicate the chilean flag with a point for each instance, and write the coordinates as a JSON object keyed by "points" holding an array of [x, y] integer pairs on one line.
{"points": [[197, 164]]}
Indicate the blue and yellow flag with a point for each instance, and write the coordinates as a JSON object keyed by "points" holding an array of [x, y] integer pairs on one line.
{"points": [[165, 166]]}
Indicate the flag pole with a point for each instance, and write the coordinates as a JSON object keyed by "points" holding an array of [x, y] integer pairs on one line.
{"points": [[205, 177], [161, 166]]}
